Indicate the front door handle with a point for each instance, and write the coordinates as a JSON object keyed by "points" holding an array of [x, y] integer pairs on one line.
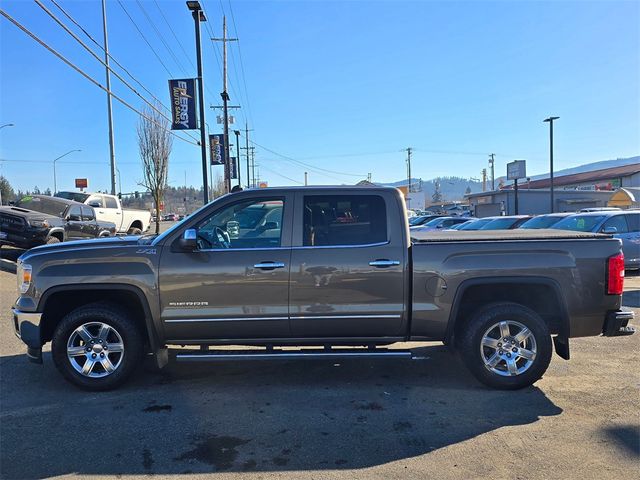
{"points": [[269, 265], [384, 263]]}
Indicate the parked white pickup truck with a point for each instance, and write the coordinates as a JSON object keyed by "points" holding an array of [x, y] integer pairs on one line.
{"points": [[109, 209]]}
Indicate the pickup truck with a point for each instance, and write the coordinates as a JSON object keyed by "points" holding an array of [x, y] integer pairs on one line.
{"points": [[43, 220], [109, 209], [331, 270]]}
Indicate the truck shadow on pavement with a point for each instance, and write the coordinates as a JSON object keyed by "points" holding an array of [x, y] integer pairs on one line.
{"points": [[264, 417]]}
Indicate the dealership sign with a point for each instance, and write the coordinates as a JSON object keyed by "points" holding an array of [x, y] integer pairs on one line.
{"points": [[183, 104], [516, 169], [216, 148]]}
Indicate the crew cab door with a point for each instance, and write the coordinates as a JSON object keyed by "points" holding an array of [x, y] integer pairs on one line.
{"points": [[90, 226], [348, 266], [74, 224], [235, 285]]}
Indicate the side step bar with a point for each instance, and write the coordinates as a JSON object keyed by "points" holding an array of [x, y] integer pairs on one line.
{"points": [[310, 354]]}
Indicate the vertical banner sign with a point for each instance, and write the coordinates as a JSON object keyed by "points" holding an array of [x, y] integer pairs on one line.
{"points": [[216, 147], [183, 104], [233, 168]]}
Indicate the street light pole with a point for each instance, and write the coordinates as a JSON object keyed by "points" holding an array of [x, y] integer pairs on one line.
{"points": [[550, 122], [112, 155], [55, 186], [198, 16]]}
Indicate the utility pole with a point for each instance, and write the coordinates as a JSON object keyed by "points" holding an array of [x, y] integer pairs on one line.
{"points": [[237, 132], [306, 178], [369, 177], [253, 166], [246, 149], [550, 122], [484, 179], [112, 155], [198, 16], [409, 169], [493, 172], [225, 101]]}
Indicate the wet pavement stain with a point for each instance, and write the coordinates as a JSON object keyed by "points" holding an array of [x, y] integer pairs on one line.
{"points": [[158, 408], [370, 406], [279, 461], [217, 451], [249, 465], [402, 426]]}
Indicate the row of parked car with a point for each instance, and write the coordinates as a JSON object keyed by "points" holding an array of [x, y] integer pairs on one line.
{"points": [[622, 224]]}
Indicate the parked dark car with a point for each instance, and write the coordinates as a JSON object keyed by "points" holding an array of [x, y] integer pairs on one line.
{"points": [[620, 224], [421, 220], [475, 223], [40, 220], [440, 223], [545, 221], [506, 222]]}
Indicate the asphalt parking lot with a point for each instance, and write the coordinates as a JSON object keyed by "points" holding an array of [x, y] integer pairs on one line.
{"points": [[357, 419]]}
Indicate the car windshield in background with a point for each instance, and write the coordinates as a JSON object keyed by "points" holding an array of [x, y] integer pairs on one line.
{"points": [[75, 196], [579, 223], [415, 221], [499, 224], [474, 224], [543, 221], [47, 205]]}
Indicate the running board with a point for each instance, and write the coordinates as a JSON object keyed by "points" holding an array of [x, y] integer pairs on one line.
{"points": [[227, 355]]}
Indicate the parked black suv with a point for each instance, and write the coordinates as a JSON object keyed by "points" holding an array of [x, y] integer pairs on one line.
{"points": [[40, 219]]}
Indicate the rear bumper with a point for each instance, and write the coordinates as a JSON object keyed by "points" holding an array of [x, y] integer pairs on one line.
{"points": [[616, 324], [27, 329]]}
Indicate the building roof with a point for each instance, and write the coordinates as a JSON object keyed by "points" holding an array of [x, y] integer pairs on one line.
{"points": [[593, 176]]}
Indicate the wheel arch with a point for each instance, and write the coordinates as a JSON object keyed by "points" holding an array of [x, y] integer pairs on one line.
{"points": [[57, 301], [57, 233], [531, 292]]}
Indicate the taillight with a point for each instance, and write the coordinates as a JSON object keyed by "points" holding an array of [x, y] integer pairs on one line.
{"points": [[615, 274]]}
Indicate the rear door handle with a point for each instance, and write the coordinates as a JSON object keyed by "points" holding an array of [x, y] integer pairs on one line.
{"points": [[269, 265], [384, 263]]}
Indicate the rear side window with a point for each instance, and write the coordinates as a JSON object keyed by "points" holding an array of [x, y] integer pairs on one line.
{"points": [[618, 222], [110, 202], [344, 220], [633, 220], [87, 214]]}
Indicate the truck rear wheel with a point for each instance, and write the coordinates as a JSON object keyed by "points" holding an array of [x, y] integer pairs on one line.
{"points": [[506, 346], [134, 231], [96, 347]]}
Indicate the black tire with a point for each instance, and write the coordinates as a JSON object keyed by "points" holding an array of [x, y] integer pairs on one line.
{"points": [[118, 320], [134, 231], [52, 240], [473, 353]]}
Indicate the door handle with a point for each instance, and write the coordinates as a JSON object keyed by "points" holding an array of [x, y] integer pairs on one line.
{"points": [[268, 265], [384, 263]]}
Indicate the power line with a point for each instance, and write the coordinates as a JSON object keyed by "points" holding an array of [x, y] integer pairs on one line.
{"points": [[155, 29], [144, 38], [186, 55], [84, 74], [86, 47]]}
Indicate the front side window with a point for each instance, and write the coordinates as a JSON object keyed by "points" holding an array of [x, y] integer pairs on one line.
{"points": [[87, 214], [579, 223], [618, 222], [344, 220], [633, 220], [247, 224], [110, 202], [75, 213]]}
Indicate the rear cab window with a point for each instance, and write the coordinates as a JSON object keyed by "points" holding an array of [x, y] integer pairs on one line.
{"points": [[110, 202], [88, 214]]}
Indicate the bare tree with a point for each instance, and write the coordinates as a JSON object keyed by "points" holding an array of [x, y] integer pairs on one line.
{"points": [[155, 143]]}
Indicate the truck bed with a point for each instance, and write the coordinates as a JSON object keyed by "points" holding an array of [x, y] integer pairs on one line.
{"points": [[498, 235]]}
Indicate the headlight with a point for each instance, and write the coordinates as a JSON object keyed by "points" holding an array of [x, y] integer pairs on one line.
{"points": [[23, 275], [39, 223]]}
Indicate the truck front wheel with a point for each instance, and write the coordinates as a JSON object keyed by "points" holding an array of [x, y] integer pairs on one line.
{"points": [[506, 346], [96, 347]]}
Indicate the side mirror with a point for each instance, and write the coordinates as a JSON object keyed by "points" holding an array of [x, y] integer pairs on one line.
{"points": [[271, 226], [189, 242], [439, 226], [610, 230], [73, 218], [94, 204]]}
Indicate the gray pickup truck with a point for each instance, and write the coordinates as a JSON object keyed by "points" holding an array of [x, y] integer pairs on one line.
{"points": [[331, 271]]}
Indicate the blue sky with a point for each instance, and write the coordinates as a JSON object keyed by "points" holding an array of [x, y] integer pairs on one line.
{"points": [[341, 86]]}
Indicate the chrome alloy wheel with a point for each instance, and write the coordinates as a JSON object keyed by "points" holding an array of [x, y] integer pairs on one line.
{"points": [[508, 348], [95, 349]]}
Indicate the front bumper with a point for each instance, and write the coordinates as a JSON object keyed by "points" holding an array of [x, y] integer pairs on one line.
{"points": [[27, 328], [616, 324]]}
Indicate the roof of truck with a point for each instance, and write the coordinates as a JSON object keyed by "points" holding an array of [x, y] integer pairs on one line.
{"points": [[497, 235]]}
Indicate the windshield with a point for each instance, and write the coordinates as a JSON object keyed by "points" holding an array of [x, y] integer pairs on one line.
{"points": [[500, 224], [75, 196], [474, 224], [46, 205], [416, 220], [434, 223], [543, 221], [580, 223]]}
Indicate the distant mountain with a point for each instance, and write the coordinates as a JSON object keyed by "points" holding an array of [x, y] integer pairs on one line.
{"points": [[451, 188]]}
